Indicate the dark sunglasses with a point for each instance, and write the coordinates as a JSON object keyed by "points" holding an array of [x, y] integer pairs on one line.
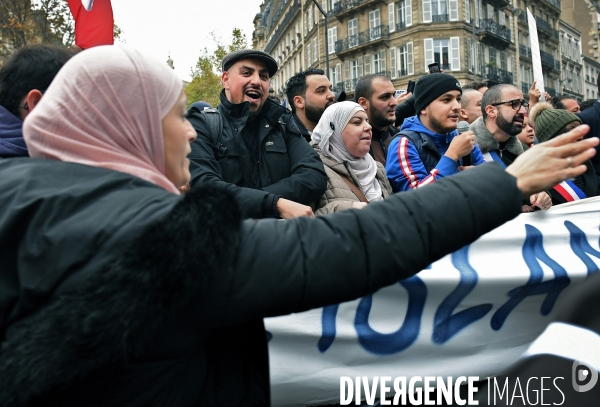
{"points": [[515, 104]]}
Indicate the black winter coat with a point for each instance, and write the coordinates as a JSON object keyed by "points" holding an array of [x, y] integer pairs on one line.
{"points": [[288, 166], [117, 293], [591, 117]]}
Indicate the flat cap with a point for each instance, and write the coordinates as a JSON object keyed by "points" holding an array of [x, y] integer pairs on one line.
{"points": [[235, 56]]}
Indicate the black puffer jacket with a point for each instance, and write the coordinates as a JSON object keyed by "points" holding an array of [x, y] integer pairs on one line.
{"points": [[288, 167], [117, 293]]}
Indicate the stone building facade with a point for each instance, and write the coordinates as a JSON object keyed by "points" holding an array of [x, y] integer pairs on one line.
{"points": [[471, 39]]}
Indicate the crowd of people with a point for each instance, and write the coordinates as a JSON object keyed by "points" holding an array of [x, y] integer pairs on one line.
{"points": [[133, 275]]}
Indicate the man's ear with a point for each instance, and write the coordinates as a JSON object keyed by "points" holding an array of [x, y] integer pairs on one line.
{"points": [[463, 114], [298, 102], [490, 110], [30, 102], [225, 80], [364, 103]]}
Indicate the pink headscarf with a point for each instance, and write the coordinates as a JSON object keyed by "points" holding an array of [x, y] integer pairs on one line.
{"points": [[105, 109]]}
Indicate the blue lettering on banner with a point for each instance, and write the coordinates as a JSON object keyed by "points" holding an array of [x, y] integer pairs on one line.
{"points": [[328, 319], [389, 344], [582, 248], [446, 325], [533, 252]]}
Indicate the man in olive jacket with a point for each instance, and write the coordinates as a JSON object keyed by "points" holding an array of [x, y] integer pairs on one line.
{"points": [[260, 154]]}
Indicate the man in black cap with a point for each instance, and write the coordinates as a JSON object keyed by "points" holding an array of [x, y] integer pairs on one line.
{"points": [[309, 93], [429, 147], [252, 146]]}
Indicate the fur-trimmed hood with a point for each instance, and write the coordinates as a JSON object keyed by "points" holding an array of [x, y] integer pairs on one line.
{"points": [[487, 142], [117, 312]]}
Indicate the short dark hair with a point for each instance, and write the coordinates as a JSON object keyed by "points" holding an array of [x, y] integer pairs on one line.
{"points": [[586, 104], [557, 101], [475, 85], [363, 88], [31, 67], [465, 99], [493, 95], [296, 85]]}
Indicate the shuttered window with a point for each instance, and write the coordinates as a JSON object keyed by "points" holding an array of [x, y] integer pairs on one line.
{"points": [[454, 54]]}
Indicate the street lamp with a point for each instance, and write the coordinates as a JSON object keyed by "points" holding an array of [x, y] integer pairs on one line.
{"points": [[326, 37], [516, 12]]}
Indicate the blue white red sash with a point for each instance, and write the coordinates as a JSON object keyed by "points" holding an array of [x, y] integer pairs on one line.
{"points": [[493, 156], [570, 191]]}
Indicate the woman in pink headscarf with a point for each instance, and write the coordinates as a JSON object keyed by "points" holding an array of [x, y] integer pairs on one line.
{"points": [[115, 108], [117, 291]]}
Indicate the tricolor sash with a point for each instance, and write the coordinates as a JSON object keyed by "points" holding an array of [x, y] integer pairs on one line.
{"points": [[493, 156], [571, 192]]}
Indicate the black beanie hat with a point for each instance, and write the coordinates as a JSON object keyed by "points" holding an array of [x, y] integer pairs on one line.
{"points": [[431, 87]]}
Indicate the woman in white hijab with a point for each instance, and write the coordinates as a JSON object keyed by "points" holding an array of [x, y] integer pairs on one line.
{"points": [[343, 140]]}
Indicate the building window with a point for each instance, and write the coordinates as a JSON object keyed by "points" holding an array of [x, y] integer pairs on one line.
{"points": [[336, 74], [404, 63], [393, 70], [404, 14], [379, 62], [374, 24], [445, 52], [315, 50], [331, 39], [310, 18], [308, 55], [391, 17], [353, 33]]}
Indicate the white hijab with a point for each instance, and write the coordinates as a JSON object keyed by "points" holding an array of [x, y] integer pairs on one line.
{"points": [[328, 135]]}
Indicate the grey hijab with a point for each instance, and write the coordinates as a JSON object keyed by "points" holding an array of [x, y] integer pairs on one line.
{"points": [[328, 135]]}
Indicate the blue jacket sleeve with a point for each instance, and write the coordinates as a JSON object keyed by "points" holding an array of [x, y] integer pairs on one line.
{"points": [[477, 156], [406, 171]]}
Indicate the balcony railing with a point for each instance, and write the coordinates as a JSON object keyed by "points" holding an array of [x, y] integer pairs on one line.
{"points": [[524, 51], [439, 18], [350, 84], [283, 26], [549, 60], [345, 5], [493, 27], [544, 26], [339, 87], [402, 72], [498, 75], [555, 3], [525, 88], [362, 38], [384, 73], [401, 25]]}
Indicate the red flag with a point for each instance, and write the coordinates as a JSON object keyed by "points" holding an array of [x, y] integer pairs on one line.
{"points": [[93, 22]]}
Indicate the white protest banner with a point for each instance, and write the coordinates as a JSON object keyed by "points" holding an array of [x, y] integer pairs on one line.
{"points": [[536, 60], [472, 313]]}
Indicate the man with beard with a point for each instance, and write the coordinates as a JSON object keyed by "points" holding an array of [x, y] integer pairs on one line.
{"points": [[375, 93], [503, 111], [251, 145], [309, 93], [428, 146]]}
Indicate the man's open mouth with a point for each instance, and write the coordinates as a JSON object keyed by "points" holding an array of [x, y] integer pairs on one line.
{"points": [[253, 94]]}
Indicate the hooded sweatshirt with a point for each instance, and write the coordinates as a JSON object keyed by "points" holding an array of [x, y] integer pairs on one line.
{"points": [[12, 143], [404, 167]]}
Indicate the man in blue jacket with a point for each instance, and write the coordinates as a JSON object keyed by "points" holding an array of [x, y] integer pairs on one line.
{"points": [[23, 80], [428, 146]]}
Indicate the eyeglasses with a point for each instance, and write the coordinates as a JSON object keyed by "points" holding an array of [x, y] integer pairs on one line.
{"points": [[515, 104]]}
